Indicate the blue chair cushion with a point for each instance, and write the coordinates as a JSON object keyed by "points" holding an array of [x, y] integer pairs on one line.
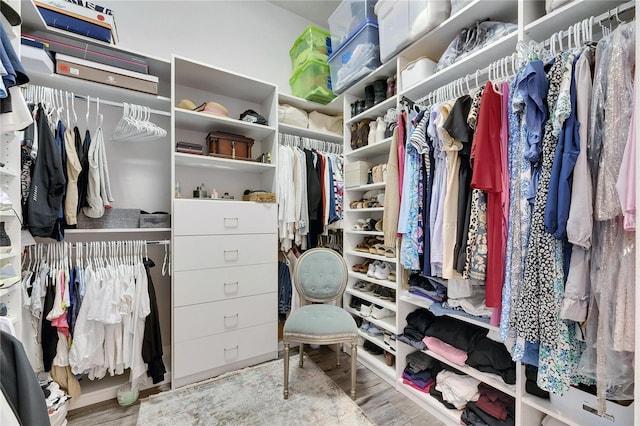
{"points": [[320, 320]]}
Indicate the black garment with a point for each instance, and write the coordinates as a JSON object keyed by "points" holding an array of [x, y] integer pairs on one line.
{"points": [[490, 356], [314, 197], [6, 105], [418, 322], [47, 184], [152, 340], [457, 127], [83, 177], [48, 333], [457, 333], [490, 420], [19, 384], [469, 418]]}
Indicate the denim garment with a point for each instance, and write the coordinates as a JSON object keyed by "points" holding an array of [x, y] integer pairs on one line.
{"points": [[284, 288]]}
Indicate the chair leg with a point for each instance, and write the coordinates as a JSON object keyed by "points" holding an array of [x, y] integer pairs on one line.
{"points": [[354, 354], [301, 355], [286, 370], [338, 350]]}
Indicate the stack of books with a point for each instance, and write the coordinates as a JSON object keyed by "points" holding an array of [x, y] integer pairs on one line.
{"points": [[101, 64], [80, 17]]}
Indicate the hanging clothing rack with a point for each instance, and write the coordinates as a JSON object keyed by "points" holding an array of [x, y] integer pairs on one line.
{"points": [[89, 98], [506, 67], [302, 142]]}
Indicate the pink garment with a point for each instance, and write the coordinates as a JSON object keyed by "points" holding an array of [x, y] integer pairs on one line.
{"points": [[60, 322], [449, 352], [416, 387], [626, 184]]}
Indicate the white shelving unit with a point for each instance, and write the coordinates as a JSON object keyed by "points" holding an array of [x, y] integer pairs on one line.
{"points": [[533, 24], [224, 251]]}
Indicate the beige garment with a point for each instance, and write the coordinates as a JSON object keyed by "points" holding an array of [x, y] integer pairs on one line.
{"points": [[392, 195], [73, 171], [65, 378]]}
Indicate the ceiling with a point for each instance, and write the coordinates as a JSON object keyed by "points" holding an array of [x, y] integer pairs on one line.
{"points": [[316, 11]]}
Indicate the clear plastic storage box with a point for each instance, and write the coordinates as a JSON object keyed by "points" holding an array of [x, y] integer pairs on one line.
{"points": [[312, 81], [348, 18], [356, 58], [313, 43]]}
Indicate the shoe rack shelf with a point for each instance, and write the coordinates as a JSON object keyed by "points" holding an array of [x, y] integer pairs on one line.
{"points": [[388, 324], [377, 339], [367, 187], [370, 297], [369, 151], [376, 363], [367, 210], [371, 256], [371, 233], [375, 111], [365, 277]]}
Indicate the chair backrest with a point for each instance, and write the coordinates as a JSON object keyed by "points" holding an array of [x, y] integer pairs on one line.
{"points": [[320, 275]]}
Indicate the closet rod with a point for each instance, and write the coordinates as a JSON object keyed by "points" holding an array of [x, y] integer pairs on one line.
{"points": [[149, 243], [102, 101]]}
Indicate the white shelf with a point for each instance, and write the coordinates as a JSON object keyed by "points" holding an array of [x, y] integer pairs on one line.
{"points": [[308, 133], [483, 377], [9, 290], [204, 161], [367, 187], [7, 214], [370, 297], [375, 111], [388, 324], [434, 43], [206, 78], [5, 171], [99, 90], [367, 210], [372, 233], [369, 151], [116, 231], [423, 302], [370, 256], [205, 123], [546, 407], [332, 108], [13, 253], [450, 416], [364, 277], [565, 16], [378, 340], [467, 66]]}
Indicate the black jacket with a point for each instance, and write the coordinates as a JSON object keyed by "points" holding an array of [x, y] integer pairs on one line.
{"points": [[47, 183]]}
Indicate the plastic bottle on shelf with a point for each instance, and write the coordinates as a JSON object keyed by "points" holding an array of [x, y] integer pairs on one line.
{"points": [[178, 190]]}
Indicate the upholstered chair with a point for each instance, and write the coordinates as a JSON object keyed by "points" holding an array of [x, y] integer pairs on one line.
{"points": [[320, 277]]}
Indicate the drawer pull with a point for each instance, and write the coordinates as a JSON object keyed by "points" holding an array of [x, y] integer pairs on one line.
{"points": [[231, 222], [232, 349], [236, 283], [231, 316], [227, 254]]}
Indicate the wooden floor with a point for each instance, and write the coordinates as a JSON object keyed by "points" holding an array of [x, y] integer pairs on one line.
{"points": [[382, 403]]}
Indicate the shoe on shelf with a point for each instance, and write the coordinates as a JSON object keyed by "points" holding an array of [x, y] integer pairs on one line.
{"points": [[379, 225], [380, 129], [389, 358], [392, 276], [8, 276], [5, 201], [365, 325], [365, 310], [374, 331], [380, 313], [5, 241], [382, 271], [371, 272], [373, 129]]}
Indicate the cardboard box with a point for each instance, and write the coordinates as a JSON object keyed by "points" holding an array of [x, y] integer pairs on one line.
{"points": [[356, 173], [78, 19], [104, 55], [100, 73]]}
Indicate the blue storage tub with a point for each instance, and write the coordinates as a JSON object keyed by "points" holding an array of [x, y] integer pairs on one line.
{"points": [[348, 17], [356, 58]]}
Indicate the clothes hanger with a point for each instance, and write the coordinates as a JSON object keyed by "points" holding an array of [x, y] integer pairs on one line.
{"points": [[164, 260]]}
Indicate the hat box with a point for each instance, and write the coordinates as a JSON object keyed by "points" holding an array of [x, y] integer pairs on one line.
{"points": [[229, 145]]}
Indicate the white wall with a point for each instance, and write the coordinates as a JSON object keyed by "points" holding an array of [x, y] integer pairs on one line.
{"points": [[248, 37]]}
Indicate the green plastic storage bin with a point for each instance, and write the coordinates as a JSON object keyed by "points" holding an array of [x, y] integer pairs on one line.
{"points": [[313, 43], [312, 81]]}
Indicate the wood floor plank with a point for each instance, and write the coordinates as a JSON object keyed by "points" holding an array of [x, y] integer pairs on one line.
{"points": [[381, 402]]}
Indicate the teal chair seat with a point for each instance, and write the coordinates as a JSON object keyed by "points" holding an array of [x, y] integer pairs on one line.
{"points": [[320, 276]]}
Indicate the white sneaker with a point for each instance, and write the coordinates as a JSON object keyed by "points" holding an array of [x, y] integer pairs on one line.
{"points": [[5, 201], [382, 271], [379, 313], [365, 310], [373, 266]]}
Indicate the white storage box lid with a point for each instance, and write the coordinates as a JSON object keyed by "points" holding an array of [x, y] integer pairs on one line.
{"points": [[416, 71]]}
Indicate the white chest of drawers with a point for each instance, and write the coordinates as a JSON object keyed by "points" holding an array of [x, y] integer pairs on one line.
{"points": [[225, 287]]}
